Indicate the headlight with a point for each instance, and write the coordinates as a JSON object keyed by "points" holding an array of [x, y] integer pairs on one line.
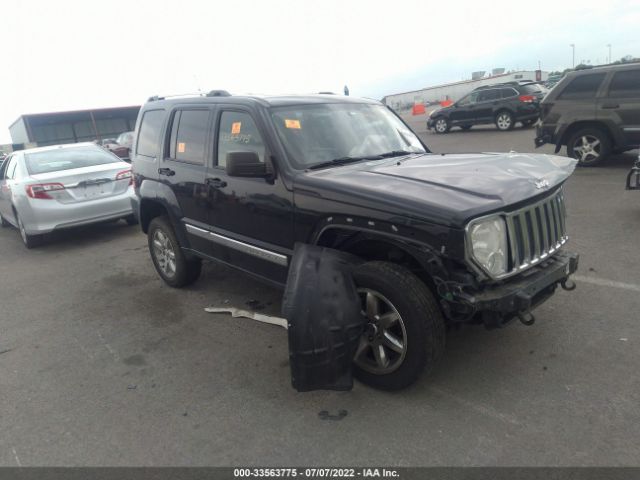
{"points": [[488, 239]]}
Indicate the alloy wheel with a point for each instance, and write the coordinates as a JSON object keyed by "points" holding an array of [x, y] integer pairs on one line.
{"points": [[504, 121], [587, 148], [164, 252], [383, 346], [441, 125]]}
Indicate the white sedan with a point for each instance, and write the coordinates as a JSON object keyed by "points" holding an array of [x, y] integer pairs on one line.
{"points": [[50, 188]]}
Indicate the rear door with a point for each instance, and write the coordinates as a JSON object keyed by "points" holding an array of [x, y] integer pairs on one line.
{"points": [[621, 104], [487, 101], [186, 157], [577, 100]]}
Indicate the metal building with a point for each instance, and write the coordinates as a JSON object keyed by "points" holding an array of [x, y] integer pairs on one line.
{"points": [[74, 126], [456, 90]]}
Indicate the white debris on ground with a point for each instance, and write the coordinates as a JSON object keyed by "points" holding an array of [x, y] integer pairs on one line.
{"points": [[259, 317]]}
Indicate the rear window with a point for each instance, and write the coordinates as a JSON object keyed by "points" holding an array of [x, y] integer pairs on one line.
{"points": [[625, 84], [149, 133], [582, 87], [531, 89], [67, 159]]}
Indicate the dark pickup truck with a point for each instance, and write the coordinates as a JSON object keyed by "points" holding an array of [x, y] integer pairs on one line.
{"points": [[443, 239]]}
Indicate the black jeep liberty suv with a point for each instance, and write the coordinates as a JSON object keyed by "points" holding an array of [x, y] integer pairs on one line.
{"points": [[444, 239]]}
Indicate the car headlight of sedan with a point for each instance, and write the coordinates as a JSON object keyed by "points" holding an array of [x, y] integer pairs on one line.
{"points": [[488, 240]]}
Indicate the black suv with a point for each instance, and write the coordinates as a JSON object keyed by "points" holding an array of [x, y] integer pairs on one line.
{"points": [[503, 104], [441, 239], [593, 112]]}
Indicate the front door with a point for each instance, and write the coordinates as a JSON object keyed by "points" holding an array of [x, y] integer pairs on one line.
{"points": [[464, 111], [621, 104], [252, 218]]}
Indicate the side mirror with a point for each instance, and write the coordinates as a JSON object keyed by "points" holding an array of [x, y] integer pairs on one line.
{"points": [[245, 164]]}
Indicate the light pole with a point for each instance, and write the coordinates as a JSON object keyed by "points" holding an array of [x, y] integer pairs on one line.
{"points": [[573, 48], [609, 45]]}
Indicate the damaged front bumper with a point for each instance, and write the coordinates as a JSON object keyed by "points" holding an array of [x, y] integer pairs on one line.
{"points": [[497, 305]]}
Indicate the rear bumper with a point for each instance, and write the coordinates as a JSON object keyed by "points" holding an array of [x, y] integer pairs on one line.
{"points": [[44, 216], [502, 303]]}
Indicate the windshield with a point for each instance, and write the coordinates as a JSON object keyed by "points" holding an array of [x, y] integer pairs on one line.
{"points": [[67, 159], [314, 134]]}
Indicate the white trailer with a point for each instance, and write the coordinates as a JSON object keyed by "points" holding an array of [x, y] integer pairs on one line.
{"points": [[454, 91]]}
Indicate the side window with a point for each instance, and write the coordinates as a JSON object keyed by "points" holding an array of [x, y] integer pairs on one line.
{"points": [[189, 136], [3, 167], [10, 171], [488, 95], [238, 133], [149, 133], [508, 93], [470, 99], [625, 84], [582, 87]]}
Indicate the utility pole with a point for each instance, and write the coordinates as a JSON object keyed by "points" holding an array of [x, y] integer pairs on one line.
{"points": [[573, 47], [610, 59]]}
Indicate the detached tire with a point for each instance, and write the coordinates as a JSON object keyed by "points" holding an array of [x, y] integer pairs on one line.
{"points": [[590, 146], [405, 335], [167, 256]]}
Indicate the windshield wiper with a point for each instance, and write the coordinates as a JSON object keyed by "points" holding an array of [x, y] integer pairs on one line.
{"points": [[395, 153], [344, 161]]}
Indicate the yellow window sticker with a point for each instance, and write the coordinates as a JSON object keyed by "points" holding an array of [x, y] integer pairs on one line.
{"points": [[292, 123], [182, 147], [235, 128]]}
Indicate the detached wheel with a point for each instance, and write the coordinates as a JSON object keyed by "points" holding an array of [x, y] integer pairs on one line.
{"points": [[441, 125], [167, 256], [405, 333], [30, 241], [590, 146], [504, 121]]}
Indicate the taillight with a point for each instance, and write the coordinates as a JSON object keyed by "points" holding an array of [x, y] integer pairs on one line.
{"points": [[42, 190], [527, 98], [124, 175]]}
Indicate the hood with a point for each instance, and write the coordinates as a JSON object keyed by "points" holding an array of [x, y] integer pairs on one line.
{"points": [[444, 189]]}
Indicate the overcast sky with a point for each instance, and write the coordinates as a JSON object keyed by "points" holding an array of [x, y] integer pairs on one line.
{"points": [[62, 55]]}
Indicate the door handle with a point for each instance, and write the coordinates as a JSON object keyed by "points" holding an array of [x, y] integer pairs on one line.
{"points": [[215, 183], [610, 105], [166, 171]]}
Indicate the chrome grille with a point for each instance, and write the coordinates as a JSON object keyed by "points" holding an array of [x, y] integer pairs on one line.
{"points": [[536, 231]]}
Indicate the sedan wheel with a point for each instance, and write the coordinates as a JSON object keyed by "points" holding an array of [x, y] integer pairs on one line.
{"points": [[383, 346], [164, 253]]}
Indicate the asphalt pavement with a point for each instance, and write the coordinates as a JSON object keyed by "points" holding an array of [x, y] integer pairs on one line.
{"points": [[103, 364]]}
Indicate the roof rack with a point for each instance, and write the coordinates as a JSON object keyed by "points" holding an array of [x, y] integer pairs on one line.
{"points": [[212, 93]]}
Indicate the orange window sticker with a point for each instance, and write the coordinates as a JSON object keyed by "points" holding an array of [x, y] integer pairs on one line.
{"points": [[292, 123], [235, 128], [182, 147]]}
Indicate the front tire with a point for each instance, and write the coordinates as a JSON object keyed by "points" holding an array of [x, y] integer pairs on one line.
{"points": [[590, 146], [504, 121], [168, 258], [405, 334], [441, 125]]}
